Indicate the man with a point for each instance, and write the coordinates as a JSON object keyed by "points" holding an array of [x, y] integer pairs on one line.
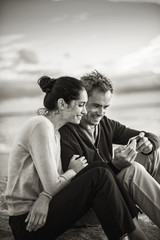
{"points": [[94, 138]]}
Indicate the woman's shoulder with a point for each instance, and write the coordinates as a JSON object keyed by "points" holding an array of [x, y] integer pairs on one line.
{"points": [[38, 121]]}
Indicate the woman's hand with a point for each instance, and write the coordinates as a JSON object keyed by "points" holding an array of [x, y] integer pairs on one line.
{"points": [[38, 214], [77, 163]]}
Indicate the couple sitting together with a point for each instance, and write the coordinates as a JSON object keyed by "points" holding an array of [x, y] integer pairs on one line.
{"points": [[63, 170]]}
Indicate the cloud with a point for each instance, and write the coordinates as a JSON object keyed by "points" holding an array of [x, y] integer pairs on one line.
{"points": [[81, 17], [14, 52], [21, 60], [8, 39], [28, 56], [146, 59], [16, 57], [137, 1]]}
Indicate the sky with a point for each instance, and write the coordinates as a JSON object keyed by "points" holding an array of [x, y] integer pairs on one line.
{"points": [[60, 37], [72, 37]]}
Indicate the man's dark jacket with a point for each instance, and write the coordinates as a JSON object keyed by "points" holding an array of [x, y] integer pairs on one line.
{"points": [[75, 141]]}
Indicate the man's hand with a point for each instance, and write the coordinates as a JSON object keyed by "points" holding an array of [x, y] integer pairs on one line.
{"points": [[143, 144], [38, 214], [124, 155]]}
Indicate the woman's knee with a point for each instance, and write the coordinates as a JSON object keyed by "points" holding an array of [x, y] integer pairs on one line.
{"points": [[102, 173], [95, 177]]}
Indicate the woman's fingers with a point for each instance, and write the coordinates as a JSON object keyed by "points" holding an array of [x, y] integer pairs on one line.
{"points": [[83, 160], [74, 157], [77, 163], [80, 159], [30, 224], [85, 164], [27, 218], [40, 223], [35, 222]]}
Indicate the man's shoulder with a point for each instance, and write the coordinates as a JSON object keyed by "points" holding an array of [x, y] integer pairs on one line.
{"points": [[110, 124], [105, 120], [70, 133], [69, 127]]}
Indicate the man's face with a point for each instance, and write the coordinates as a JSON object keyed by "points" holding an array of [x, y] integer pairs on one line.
{"points": [[97, 104]]}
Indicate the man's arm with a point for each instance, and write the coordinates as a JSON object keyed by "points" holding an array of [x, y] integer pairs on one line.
{"points": [[150, 142], [121, 135]]}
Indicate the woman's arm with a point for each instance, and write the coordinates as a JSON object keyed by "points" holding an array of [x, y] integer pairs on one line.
{"points": [[44, 150]]}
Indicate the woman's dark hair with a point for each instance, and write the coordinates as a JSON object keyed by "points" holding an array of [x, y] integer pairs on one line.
{"points": [[65, 87]]}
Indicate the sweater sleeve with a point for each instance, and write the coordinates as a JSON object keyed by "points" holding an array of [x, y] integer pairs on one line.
{"points": [[43, 152], [121, 134]]}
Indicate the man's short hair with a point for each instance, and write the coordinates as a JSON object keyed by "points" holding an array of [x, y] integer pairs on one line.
{"points": [[96, 80]]}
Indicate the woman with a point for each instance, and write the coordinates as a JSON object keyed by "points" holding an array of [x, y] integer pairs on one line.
{"points": [[42, 200]]}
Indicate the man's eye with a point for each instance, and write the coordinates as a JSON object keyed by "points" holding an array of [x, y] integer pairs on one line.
{"points": [[81, 105], [96, 106]]}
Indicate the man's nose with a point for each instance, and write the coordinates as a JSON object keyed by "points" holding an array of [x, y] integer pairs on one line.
{"points": [[101, 111]]}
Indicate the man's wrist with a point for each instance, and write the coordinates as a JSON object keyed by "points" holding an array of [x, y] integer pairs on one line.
{"points": [[113, 167], [150, 150], [147, 153]]}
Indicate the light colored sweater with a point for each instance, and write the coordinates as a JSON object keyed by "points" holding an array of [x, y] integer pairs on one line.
{"points": [[34, 165]]}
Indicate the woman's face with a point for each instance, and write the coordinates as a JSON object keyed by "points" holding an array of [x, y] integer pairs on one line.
{"points": [[77, 108]]}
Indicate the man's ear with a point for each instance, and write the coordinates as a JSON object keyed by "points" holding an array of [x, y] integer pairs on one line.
{"points": [[61, 104]]}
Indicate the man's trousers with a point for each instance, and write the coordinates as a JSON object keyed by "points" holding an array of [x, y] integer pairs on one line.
{"points": [[144, 190]]}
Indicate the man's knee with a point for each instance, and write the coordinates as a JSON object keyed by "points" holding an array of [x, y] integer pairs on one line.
{"points": [[151, 163], [132, 173], [134, 169], [137, 167], [156, 166]]}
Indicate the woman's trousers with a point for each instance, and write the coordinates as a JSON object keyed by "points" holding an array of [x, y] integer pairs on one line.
{"points": [[94, 187]]}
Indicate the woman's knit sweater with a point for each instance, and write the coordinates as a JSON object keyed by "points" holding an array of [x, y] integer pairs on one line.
{"points": [[34, 165]]}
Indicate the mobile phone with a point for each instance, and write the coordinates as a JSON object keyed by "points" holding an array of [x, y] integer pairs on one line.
{"points": [[131, 139], [137, 137]]}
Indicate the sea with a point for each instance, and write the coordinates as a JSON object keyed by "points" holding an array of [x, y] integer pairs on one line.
{"points": [[139, 110]]}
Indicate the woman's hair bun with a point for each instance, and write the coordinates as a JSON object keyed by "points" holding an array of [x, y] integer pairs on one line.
{"points": [[46, 83]]}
